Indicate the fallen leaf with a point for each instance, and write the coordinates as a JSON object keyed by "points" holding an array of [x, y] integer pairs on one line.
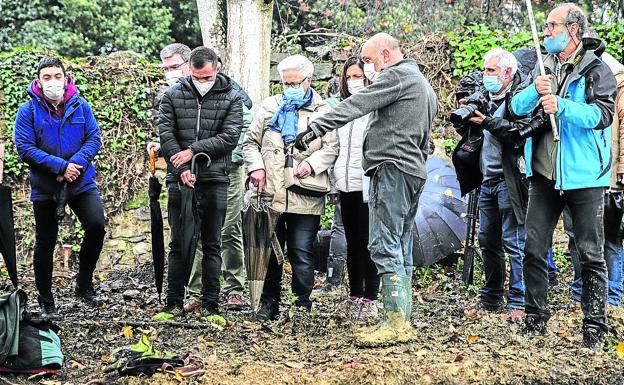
{"points": [[179, 376], [103, 277], [294, 365], [216, 319], [619, 349], [458, 358], [105, 357], [471, 313], [127, 332], [162, 316], [472, 339], [351, 365]]}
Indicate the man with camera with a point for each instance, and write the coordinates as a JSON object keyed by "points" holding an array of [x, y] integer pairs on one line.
{"points": [[579, 91], [503, 196]]}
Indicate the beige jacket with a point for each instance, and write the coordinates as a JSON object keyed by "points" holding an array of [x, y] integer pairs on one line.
{"points": [[617, 133], [264, 149]]}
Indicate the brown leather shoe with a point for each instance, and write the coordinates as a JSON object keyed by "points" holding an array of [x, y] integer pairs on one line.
{"points": [[192, 305], [235, 302]]}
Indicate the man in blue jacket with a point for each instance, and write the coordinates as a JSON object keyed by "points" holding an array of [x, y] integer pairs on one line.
{"points": [[57, 136], [579, 90]]}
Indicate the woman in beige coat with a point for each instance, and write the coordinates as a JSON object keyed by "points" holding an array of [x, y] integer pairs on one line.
{"points": [[268, 145]]}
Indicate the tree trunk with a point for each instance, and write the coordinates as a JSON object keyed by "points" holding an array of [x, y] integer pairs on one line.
{"points": [[249, 46], [212, 22]]}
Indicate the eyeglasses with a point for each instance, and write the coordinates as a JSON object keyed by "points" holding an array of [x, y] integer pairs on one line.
{"points": [[293, 85], [551, 25], [174, 67]]}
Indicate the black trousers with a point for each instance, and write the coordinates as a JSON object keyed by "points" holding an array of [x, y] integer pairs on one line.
{"points": [[90, 212], [297, 232], [212, 206], [363, 277], [587, 208]]}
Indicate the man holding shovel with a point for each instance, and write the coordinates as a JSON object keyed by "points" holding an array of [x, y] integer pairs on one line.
{"points": [[57, 136]]}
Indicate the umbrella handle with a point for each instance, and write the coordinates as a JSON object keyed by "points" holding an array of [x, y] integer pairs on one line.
{"points": [[247, 188], [152, 161], [194, 159]]}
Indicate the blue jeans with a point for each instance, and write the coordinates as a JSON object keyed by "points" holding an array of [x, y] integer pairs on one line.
{"points": [[500, 233], [552, 266], [614, 257]]}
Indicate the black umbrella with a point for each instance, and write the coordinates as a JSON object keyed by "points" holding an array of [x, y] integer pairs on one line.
{"points": [[7, 229], [440, 224], [190, 223], [158, 240]]}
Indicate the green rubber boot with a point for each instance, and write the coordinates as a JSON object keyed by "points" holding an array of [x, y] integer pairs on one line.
{"points": [[393, 329], [407, 285]]}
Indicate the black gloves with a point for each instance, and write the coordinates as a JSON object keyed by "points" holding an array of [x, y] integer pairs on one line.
{"points": [[304, 139]]}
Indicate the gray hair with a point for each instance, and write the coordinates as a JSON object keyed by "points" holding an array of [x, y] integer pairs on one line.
{"points": [[504, 59], [176, 49], [296, 62], [576, 16]]}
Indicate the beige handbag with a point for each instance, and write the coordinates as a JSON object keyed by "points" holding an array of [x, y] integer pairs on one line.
{"points": [[312, 185]]}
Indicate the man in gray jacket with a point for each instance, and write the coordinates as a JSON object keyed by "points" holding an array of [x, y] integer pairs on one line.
{"points": [[402, 106]]}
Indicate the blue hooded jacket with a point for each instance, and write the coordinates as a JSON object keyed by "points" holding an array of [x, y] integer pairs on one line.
{"points": [[48, 140], [585, 112]]}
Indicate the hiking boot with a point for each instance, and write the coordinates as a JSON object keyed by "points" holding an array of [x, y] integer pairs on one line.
{"points": [[192, 305], [269, 310], [592, 338], [173, 308], [394, 327], [86, 293], [236, 302], [209, 309], [534, 326], [47, 306]]}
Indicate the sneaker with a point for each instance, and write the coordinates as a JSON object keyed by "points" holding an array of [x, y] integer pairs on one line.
{"points": [[47, 306], [592, 338], [209, 308], [192, 305], [236, 302], [368, 310], [269, 310], [534, 326], [86, 293]]}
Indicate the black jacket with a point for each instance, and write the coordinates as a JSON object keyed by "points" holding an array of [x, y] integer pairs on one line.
{"points": [[470, 176], [210, 124]]}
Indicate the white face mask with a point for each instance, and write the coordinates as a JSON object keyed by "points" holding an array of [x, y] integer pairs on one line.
{"points": [[355, 86], [54, 89], [173, 76], [203, 88], [369, 71]]}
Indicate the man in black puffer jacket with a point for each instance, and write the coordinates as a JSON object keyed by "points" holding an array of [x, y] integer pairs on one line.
{"points": [[202, 113]]}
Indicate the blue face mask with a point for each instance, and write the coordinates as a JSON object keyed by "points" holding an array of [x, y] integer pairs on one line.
{"points": [[557, 44], [294, 93], [492, 84]]}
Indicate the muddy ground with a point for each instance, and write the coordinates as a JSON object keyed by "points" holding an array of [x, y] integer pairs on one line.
{"points": [[453, 346]]}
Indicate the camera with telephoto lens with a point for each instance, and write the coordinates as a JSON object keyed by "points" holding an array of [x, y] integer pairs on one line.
{"points": [[475, 102], [537, 125]]}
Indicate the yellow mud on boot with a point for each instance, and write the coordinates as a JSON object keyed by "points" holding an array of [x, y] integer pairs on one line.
{"points": [[395, 327]]}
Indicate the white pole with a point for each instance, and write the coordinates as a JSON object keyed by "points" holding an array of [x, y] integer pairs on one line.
{"points": [[540, 62]]}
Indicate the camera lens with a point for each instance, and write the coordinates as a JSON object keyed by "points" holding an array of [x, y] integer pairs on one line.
{"points": [[461, 115]]}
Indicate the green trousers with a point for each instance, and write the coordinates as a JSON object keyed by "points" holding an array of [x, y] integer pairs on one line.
{"points": [[233, 269]]}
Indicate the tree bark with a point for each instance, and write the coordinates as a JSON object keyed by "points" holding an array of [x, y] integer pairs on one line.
{"points": [[213, 24], [249, 46]]}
